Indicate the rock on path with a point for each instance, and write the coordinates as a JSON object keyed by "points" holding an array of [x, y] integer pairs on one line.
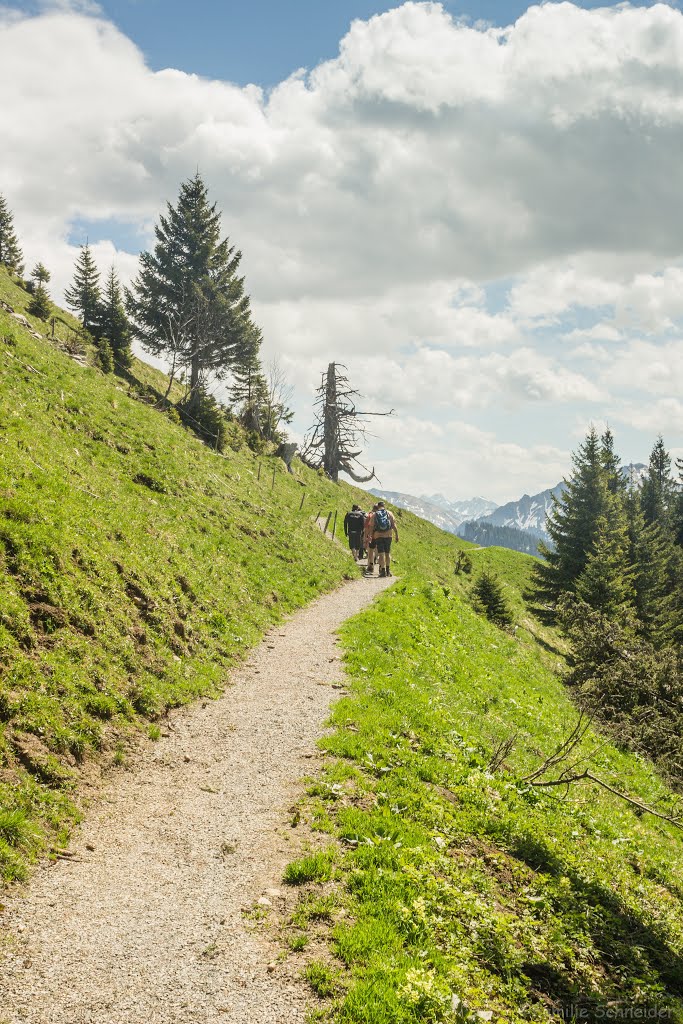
{"points": [[145, 924]]}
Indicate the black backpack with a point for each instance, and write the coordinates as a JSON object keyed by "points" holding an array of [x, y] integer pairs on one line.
{"points": [[355, 521], [382, 520]]}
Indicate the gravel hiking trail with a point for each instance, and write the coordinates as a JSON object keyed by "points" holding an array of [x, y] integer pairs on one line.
{"points": [[144, 923]]}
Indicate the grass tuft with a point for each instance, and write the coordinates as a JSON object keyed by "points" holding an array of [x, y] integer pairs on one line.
{"points": [[316, 867]]}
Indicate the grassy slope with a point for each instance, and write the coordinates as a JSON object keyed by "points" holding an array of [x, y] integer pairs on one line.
{"points": [[453, 880], [119, 598], [135, 566]]}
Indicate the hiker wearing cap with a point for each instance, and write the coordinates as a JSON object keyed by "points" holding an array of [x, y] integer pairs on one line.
{"points": [[383, 527], [354, 524]]}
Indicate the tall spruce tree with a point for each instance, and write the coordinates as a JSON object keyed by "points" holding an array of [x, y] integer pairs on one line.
{"points": [[10, 251], [657, 565], [611, 463], [658, 493], [606, 582], [188, 302], [573, 523], [247, 385], [678, 506], [84, 295], [113, 322]]}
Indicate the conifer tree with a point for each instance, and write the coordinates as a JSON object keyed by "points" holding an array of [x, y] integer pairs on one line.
{"points": [[247, 381], [611, 463], [678, 506], [659, 489], [606, 582], [40, 274], [10, 250], [572, 525], [40, 304], [84, 295], [188, 301], [488, 595], [658, 565], [113, 322]]}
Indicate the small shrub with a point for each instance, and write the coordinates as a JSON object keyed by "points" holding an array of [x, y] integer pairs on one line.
{"points": [[40, 305], [489, 597], [105, 356], [463, 563], [207, 418]]}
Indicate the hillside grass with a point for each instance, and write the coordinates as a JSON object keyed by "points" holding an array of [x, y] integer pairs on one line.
{"points": [[456, 891], [136, 566]]}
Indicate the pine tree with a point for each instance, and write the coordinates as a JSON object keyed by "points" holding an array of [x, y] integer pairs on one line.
{"points": [[572, 525], [113, 322], [40, 304], [40, 274], [488, 595], [188, 302], [84, 295], [606, 582], [657, 568], [247, 375], [658, 493], [678, 506], [10, 251], [611, 463]]}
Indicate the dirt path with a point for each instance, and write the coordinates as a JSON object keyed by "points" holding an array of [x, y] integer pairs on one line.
{"points": [[145, 925]]}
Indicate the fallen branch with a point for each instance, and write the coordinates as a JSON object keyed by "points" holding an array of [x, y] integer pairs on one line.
{"points": [[566, 780]]}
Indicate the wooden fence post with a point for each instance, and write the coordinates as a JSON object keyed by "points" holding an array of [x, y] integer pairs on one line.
{"points": [[327, 521], [334, 525]]}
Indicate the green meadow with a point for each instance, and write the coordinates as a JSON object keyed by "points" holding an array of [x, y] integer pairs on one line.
{"points": [[137, 566], [452, 889]]}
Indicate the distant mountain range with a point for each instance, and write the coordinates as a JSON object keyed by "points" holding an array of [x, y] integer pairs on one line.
{"points": [[528, 514], [448, 515], [517, 524]]}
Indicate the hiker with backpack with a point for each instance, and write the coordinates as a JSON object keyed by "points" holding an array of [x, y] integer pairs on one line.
{"points": [[382, 528], [367, 537], [354, 525]]}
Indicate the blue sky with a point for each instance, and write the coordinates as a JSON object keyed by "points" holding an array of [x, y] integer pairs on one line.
{"points": [[484, 226], [260, 41]]}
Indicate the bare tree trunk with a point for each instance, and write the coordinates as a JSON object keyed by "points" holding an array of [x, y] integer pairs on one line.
{"points": [[331, 425]]}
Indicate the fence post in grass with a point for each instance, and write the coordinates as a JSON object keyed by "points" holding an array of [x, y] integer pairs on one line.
{"points": [[258, 475], [303, 498], [272, 484], [334, 525], [327, 521]]}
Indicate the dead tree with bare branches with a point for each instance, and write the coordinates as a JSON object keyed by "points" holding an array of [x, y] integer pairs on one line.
{"points": [[336, 440]]}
